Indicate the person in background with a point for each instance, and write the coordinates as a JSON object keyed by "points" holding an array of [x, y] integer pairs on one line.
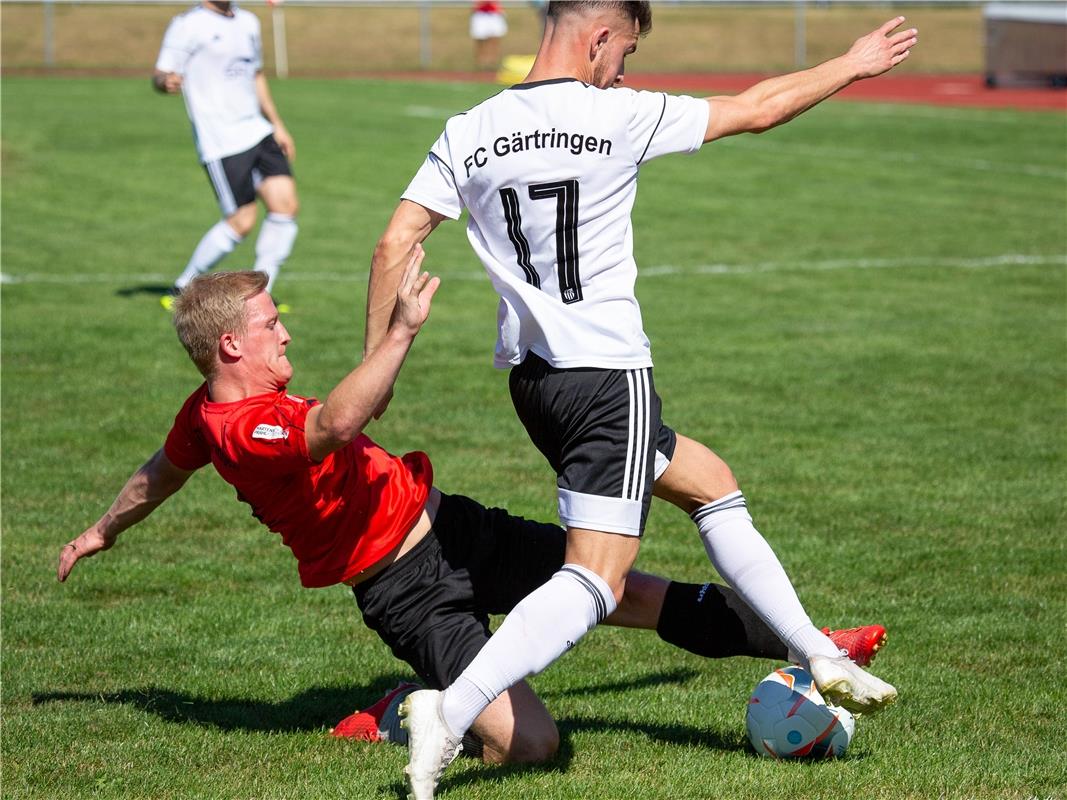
{"points": [[488, 27], [212, 55]]}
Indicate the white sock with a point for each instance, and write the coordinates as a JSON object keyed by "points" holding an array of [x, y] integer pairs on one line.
{"points": [[547, 623], [217, 242], [274, 244], [745, 560]]}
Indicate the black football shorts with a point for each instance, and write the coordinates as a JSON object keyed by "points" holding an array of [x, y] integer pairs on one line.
{"points": [[236, 178], [432, 606], [601, 431]]}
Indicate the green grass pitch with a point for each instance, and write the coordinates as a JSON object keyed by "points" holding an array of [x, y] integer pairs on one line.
{"points": [[863, 312]]}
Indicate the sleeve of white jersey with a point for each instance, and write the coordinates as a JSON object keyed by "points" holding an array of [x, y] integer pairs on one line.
{"points": [[434, 185], [176, 49], [662, 123]]}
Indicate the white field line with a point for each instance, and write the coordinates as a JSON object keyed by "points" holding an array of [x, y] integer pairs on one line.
{"points": [[1002, 261], [429, 112], [1008, 260]]}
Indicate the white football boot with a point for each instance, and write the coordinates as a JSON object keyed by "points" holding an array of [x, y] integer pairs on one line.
{"points": [[431, 745], [844, 684]]}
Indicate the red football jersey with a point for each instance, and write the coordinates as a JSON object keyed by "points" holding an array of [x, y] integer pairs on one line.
{"points": [[339, 516]]}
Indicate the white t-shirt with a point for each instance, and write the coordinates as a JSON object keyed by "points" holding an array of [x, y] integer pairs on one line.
{"points": [[488, 25], [218, 58], [548, 171]]}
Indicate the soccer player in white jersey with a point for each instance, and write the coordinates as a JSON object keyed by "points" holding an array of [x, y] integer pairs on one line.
{"points": [[212, 54], [548, 171]]}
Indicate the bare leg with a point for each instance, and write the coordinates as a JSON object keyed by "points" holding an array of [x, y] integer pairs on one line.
{"points": [[516, 728]]}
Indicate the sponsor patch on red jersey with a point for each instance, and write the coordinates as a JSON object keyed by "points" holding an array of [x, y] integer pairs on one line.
{"points": [[270, 433]]}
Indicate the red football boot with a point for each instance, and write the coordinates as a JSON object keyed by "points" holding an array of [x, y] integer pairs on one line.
{"points": [[861, 644], [367, 725]]}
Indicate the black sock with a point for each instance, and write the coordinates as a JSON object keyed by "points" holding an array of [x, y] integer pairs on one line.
{"points": [[712, 621]]}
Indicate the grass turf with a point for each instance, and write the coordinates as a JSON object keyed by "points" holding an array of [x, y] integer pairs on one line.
{"points": [[863, 312]]}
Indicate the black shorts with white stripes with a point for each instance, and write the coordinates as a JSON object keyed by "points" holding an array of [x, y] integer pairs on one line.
{"points": [[601, 431], [236, 178]]}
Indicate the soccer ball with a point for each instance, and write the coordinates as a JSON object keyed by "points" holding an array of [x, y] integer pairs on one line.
{"points": [[788, 718]]}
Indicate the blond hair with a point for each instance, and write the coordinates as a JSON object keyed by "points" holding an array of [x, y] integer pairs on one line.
{"points": [[214, 304]]}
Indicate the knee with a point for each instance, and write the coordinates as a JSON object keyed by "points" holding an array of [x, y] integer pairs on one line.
{"points": [[279, 196], [243, 220], [695, 477], [289, 206], [718, 481], [529, 747], [642, 602], [516, 728], [605, 559]]}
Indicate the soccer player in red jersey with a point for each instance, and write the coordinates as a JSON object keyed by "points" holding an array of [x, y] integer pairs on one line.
{"points": [[355, 514]]}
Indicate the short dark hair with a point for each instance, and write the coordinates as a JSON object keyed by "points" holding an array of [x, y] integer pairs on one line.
{"points": [[640, 11]]}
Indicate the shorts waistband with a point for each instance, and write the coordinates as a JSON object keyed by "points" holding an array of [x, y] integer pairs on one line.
{"points": [[415, 555]]}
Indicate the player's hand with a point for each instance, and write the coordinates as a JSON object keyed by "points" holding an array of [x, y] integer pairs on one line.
{"points": [[88, 544], [172, 83], [285, 142], [881, 50], [414, 294]]}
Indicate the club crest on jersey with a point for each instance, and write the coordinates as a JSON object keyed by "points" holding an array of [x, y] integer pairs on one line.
{"points": [[270, 433]]}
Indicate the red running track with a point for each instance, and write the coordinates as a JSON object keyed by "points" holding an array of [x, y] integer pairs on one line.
{"points": [[942, 90]]}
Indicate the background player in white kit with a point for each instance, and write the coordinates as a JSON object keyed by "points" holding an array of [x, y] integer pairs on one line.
{"points": [[547, 170], [212, 54]]}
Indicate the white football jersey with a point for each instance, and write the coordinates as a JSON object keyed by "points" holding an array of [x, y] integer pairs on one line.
{"points": [[218, 58], [548, 171]]}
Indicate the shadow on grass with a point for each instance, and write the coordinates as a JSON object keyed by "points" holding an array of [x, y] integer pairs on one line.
{"points": [[322, 707], [666, 733], [310, 710], [155, 289], [653, 679], [661, 732]]}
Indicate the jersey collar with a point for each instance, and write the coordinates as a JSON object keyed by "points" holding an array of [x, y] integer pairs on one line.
{"points": [[535, 84]]}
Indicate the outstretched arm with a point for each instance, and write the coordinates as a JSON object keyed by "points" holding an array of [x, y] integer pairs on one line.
{"points": [[777, 100], [352, 403], [146, 489]]}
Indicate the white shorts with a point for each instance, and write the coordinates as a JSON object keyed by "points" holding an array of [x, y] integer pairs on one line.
{"points": [[488, 26]]}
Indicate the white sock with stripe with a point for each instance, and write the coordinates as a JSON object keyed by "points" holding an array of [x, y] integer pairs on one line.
{"points": [[274, 244], [745, 560], [219, 241], [543, 626]]}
